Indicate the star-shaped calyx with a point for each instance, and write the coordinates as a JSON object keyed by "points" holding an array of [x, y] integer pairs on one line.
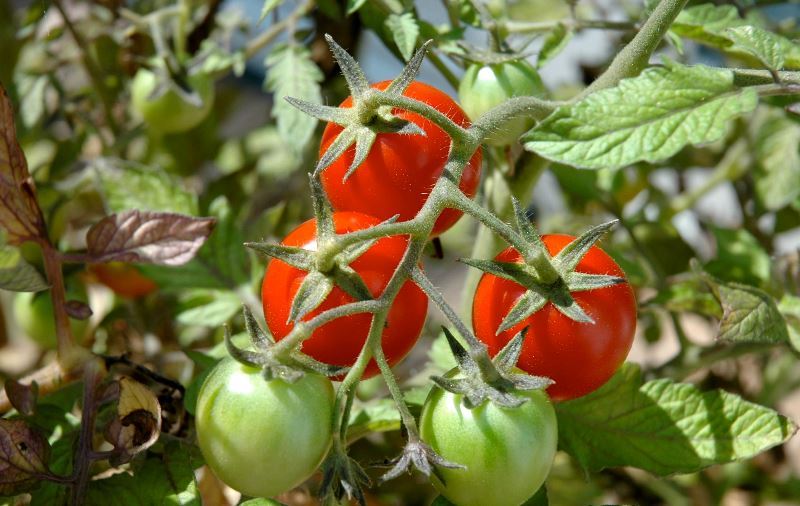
{"points": [[326, 268], [548, 278], [288, 367], [494, 381], [364, 120]]}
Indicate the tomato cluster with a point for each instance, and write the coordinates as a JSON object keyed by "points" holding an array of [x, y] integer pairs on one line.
{"points": [[246, 426]]}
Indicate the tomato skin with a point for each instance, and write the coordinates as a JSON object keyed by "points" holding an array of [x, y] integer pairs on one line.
{"points": [[263, 437], [123, 279], [579, 357], [400, 170], [486, 86], [339, 342], [508, 451], [169, 113]]}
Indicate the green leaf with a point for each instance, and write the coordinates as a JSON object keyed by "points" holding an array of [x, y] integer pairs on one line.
{"points": [[740, 257], [269, 6], [554, 43], [16, 274], [748, 314], [162, 479], [221, 263], [354, 5], [705, 22], [127, 186], [404, 30], [291, 72], [646, 118], [664, 427], [210, 308], [777, 153], [261, 501], [771, 49], [789, 306], [687, 295], [380, 416]]}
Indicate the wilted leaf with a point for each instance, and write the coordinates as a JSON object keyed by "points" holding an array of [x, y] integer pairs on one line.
{"points": [[20, 215], [17, 275], [138, 422], [22, 397], [646, 118], [664, 427], [149, 237], [24, 454]]}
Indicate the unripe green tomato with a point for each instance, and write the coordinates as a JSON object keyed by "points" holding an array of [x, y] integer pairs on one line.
{"points": [[486, 86], [262, 437], [169, 113], [508, 452], [33, 313]]}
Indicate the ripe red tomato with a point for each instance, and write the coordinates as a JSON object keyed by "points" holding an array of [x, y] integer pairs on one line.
{"points": [[340, 341], [400, 170], [579, 357], [124, 279]]}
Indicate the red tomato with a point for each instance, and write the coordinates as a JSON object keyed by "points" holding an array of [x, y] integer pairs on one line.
{"points": [[340, 341], [124, 279], [400, 170], [579, 357]]}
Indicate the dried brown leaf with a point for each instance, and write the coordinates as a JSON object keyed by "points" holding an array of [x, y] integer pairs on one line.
{"points": [[20, 215], [138, 422], [24, 454], [148, 237], [22, 397]]}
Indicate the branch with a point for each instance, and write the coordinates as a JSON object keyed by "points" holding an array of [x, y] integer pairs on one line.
{"points": [[574, 24], [275, 30]]}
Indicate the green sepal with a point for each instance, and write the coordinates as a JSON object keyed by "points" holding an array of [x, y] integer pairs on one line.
{"points": [[356, 80], [343, 477], [312, 291], [529, 303], [298, 258], [580, 281], [511, 271], [261, 340], [567, 259], [325, 113], [525, 226], [365, 138], [323, 212], [348, 280], [399, 85], [421, 456]]}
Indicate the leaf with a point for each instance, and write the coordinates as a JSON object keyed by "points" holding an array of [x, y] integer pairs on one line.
{"points": [[553, 44], [22, 397], [354, 5], [291, 72], [148, 237], [748, 314], [405, 31], [646, 118], [211, 310], [687, 295], [269, 6], [137, 424], [221, 263], [126, 186], [705, 22], [740, 257], [20, 215], [664, 427], [789, 306], [777, 153], [769, 48], [24, 454], [167, 478], [17, 275], [380, 416]]}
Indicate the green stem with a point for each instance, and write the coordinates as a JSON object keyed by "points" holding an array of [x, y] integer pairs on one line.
{"points": [[459, 135], [180, 30], [55, 276], [573, 24], [754, 77], [709, 357], [635, 56], [269, 35], [531, 107], [394, 390]]}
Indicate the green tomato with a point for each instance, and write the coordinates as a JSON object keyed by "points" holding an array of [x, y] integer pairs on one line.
{"points": [[34, 314], [263, 437], [508, 452], [169, 113], [486, 86]]}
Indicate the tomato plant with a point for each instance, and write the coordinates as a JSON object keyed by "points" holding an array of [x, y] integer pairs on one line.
{"points": [[400, 170], [124, 279], [169, 112], [507, 452], [487, 86], [33, 312], [340, 341], [263, 437], [579, 357]]}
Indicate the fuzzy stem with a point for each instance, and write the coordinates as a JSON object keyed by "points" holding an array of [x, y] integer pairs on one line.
{"points": [[376, 98], [52, 267], [425, 284], [635, 56], [574, 24], [530, 107]]}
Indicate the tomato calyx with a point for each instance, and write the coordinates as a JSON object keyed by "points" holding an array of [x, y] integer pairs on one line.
{"points": [[343, 477], [548, 278], [492, 380], [289, 367], [327, 266], [368, 117], [419, 454]]}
